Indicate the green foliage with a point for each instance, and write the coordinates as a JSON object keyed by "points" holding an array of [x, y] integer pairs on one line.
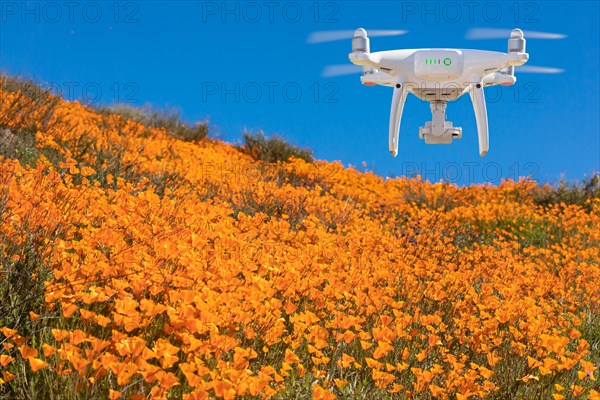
{"points": [[22, 276], [272, 149], [526, 232], [569, 193], [22, 283], [168, 119]]}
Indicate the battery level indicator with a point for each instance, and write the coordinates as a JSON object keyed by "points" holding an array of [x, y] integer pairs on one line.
{"points": [[432, 61]]}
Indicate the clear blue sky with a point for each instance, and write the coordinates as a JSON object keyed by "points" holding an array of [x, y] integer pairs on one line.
{"points": [[247, 65]]}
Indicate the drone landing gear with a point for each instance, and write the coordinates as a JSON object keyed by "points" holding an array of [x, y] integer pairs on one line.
{"points": [[438, 130]]}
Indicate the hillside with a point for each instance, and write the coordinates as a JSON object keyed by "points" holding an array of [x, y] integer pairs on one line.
{"points": [[138, 262]]}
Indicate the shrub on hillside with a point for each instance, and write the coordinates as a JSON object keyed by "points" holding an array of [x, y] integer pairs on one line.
{"points": [[168, 119], [272, 149], [569, 193]]}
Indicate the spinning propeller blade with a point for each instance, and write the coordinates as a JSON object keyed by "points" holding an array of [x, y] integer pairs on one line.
{"points": [[494, 33], [531, 69], [340, 70], [330, 36]]}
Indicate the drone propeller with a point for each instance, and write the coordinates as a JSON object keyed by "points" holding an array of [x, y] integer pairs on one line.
{"points": [[494, 33], [532, 69], [517, 38], [330, 36], [340, 70]]}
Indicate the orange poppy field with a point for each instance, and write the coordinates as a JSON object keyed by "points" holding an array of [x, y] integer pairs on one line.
{"points": [[135, 264]]}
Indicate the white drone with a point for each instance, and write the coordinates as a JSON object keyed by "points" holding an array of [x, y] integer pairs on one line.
{"points": [[436, 76]]}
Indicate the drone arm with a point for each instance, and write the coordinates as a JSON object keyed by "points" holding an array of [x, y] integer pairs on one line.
{"points": [[478, 99], [364, 59], [501, 77], [398, 100]]}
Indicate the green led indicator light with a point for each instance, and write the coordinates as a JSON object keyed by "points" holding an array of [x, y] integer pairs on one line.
{"points": [[446, 61]]}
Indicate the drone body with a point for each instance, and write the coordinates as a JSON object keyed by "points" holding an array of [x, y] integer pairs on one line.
{"points": [[438, 76]]}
